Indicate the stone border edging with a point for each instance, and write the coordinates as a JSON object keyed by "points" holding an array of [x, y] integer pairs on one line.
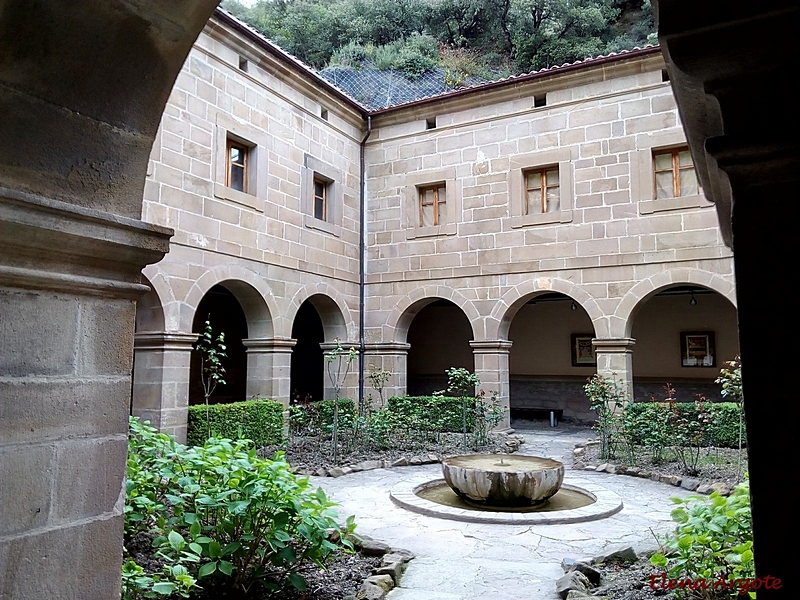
{"points": [[385, 577], [606, 503], [688, 483]]}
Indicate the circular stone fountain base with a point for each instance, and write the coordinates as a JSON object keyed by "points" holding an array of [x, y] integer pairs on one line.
{"points": [[571, 504]]}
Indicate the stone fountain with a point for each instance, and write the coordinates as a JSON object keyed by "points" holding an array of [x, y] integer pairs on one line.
{"points": [[501, 480]]}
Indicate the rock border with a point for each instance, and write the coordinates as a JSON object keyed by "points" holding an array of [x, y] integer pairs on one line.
{"points": [[581, 579], [385, 577], [688, 483]]}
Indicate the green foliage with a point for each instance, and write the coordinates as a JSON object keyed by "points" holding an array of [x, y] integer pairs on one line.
{"points": [[650, 422], [486, 414], [713, 541], [173, 580], [531, 34], [259, 420], [428, 413], [339, 363], [212, 351], [220, 512]]}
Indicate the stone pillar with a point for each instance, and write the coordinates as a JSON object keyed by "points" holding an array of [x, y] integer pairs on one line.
{"points": [[161, 373], [69, 279], [350, 385], [491, 366], [615, 360], [390, 356], [269, 368]]}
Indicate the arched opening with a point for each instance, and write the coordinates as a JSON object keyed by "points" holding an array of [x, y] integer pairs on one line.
{"points": [[308, 362], [439, 336], [551, 358], [226, 315], [684, 334]]}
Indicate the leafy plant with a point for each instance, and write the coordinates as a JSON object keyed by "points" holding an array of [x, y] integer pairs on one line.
{"points": [[487, 414], [462, 383], [342, 359], [608, 399], [219, 511], [173, 580], [712, 541], [689, 432], [212, 351], [730, 377], [378, 378]]}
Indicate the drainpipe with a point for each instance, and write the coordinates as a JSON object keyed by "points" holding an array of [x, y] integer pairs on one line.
{"points": [[362, 267]]}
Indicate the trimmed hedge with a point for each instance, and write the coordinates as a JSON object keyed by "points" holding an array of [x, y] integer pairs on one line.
{"points": [[430, 413], [259, 420], [723, 432]]}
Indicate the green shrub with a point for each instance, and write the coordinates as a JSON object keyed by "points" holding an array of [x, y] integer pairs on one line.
{"points": [[723, 430], [219, 511], [713, 541], [259, 420], [317, 417], [430, 413]]}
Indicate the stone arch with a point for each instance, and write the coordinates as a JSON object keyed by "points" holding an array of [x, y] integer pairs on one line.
{"points": [[334, 312], [250, 289], [499, 323], [399, 320], [621, 323], [150, 310]]}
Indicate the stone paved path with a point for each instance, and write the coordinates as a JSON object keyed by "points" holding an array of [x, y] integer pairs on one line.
{"points": [[470, 561]]}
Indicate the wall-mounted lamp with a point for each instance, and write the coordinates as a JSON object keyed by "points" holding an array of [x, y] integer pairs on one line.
{"points": [[574, 306], [693, 300]]}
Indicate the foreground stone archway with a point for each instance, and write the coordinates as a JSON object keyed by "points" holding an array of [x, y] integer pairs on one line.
{"points": [[81, 96]]}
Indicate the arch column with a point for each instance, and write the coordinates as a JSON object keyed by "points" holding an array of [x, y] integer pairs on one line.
{"points": [[615, 360], [269, 368], [161, 372], [350, 384], [491, 366], [391, 356]]}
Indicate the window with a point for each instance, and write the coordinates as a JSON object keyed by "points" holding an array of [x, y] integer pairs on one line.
{"points": [[322, 195], [540, 187], [663, 177], [674, 173], [431, 202], [542, 193], [237, 166], [432, 205], [320, 199]]}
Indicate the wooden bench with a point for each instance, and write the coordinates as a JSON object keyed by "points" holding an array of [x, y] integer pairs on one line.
{"points": [[529, 412]]}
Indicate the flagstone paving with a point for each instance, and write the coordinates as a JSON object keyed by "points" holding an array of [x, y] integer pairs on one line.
{"points": [[472, 561]]}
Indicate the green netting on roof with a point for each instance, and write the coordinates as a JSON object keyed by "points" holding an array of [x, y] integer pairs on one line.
{"points": [[378, 89]]}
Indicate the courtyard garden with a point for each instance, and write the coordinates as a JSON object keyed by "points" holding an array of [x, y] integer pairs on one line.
{"points": [[233, 514]]}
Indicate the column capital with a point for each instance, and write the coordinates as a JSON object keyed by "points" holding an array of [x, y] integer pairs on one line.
{"points": [[614, 345], [164, 340], [490, 346], [269, 345], [328, 346], [386, 348]]}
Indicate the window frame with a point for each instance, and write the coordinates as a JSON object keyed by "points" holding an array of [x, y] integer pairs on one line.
{"points": [[435, 187], [543, 187], [675, 169], [521, 165], [318, 181], [230, 145]]}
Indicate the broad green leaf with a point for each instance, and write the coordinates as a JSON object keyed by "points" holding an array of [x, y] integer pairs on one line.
{"points": [[207, 569]]}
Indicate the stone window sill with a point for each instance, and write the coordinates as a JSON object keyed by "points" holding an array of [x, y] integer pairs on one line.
{"points": [[664, 204], [320, 225], [563, 216], [231, 195]]}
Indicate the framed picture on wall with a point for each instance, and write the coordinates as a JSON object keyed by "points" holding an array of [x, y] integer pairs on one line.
{"points": [[583, 354], [697, 349]]}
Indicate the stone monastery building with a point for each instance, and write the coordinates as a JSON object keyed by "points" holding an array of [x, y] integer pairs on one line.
{"points": [[538, 230]]}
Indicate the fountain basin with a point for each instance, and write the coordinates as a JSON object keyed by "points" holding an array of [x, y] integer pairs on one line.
{"points": [[502, 480]]}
